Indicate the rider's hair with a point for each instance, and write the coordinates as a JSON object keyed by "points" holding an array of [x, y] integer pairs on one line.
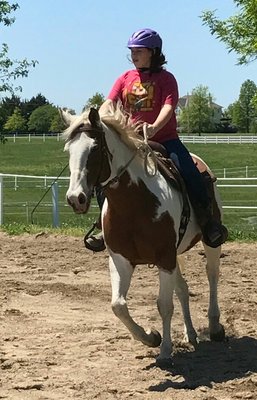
{"points": [[157, 61]]}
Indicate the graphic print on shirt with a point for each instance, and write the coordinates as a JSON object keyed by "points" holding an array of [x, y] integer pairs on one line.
{"points": [[139, 96]]}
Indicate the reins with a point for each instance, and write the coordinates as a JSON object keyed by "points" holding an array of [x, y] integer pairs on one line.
{"points": [[144, 150], [50, 187], [120, 173]]}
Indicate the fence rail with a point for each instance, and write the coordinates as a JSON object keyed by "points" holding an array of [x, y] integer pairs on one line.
{"points": [[219, 139], [216, 139], [18, 182]]}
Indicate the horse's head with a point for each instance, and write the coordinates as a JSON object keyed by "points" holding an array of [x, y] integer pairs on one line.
{"points": [[88, 158]]}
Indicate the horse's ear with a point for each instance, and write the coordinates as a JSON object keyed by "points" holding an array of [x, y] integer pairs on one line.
{"points": [[66, 117], [94, 118]]}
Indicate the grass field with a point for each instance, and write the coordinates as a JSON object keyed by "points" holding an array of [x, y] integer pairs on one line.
{"points": [[48, 159]]}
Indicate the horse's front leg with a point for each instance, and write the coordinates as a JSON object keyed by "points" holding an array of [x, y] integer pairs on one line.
{"points": [[121, 272], [166, 307], [217, 331]]}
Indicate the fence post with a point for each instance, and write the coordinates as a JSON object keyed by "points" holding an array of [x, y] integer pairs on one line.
{"points": [[15, 183], [55, 205], [1, 199], [27, 211]]}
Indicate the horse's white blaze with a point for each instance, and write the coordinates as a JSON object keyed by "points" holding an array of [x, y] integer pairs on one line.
{"points": [[79, 150]]}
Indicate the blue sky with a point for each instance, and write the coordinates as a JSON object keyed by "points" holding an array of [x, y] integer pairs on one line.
{"points": [[81, 46]]}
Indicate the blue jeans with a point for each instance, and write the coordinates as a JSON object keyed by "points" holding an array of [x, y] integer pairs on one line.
{"points": [[193, 179]]}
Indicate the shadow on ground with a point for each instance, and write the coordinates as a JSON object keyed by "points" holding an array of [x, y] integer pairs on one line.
{"points": [[210, 363]]}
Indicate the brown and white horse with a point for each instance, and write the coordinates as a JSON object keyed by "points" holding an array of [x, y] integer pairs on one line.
{"points": [[140, 219]]}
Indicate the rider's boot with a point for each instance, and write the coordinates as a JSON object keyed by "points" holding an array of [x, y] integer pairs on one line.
{"points": [[95, 242], [214, 233]]}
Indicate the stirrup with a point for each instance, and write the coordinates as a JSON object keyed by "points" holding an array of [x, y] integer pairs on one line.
{"points": [[95, 242], [215, 234]]}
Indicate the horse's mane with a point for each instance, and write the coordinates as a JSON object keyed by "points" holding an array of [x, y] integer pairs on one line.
{"points": [[116, 118], [78, 120]]}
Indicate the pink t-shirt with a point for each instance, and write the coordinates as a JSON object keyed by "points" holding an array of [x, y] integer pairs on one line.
{"points": [[143, 94]]}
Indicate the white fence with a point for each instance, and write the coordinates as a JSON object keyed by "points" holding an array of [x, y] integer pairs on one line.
{"points": [[31, 137], [46, 182], [217, 139], [54, 188]]}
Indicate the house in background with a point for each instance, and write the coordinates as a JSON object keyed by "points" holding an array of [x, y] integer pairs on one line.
{"points": [[184, 101]]}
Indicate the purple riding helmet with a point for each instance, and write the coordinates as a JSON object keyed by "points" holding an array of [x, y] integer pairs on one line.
{"points": [[145, 38]]}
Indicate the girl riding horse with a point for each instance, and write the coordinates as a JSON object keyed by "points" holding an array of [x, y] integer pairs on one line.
{"points": [[149, 94]]}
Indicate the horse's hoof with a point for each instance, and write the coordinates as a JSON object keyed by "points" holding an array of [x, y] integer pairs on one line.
{"points": [[191, 338], [156, 338], [194, 342], [218, 336]]}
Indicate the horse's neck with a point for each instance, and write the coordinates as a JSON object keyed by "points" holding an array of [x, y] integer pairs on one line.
{"points": [[121, 155], [130, 168]]}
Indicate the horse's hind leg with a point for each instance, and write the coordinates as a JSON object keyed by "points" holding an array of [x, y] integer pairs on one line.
{"points": [[121, 272], [183, 296], [217, 332]]}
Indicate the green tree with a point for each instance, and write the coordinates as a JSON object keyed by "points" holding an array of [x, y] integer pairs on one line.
{"points": [[247, 110], [233, 112], [243, 111], [5, 10], [253, 126], [28, 106], [10, 69], [7, 107], [57, 124], [16, 122], [95, 101], [41, 119], [238, 32], [197, 116]]}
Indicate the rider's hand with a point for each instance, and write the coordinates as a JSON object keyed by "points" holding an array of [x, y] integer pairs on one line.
{"points": [[150, 130]]}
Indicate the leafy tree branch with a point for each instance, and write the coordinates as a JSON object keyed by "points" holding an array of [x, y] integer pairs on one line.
{"points": [[238, 32]]}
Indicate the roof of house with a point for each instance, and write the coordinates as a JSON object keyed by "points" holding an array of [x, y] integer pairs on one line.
{"points": [[183, 101]]}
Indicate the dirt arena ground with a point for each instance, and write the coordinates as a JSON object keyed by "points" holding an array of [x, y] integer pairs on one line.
{"points": [[60, 340]]}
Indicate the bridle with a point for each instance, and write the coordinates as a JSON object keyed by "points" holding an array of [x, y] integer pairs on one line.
{"points": [[143, 150]]}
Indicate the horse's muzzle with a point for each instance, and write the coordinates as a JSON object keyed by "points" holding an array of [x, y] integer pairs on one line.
{"points": [[79, 203]]}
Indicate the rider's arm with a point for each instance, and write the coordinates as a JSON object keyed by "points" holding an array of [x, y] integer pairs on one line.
{"points": [[162, 119], [105, 106]]}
